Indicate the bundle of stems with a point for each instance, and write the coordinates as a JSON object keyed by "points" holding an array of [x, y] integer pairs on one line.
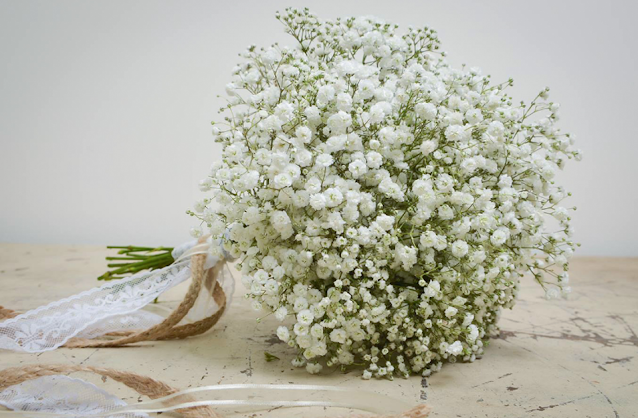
{"points": [[134, 259]]}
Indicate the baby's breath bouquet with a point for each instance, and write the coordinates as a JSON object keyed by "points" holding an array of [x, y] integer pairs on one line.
{"points": [[383, 205]]}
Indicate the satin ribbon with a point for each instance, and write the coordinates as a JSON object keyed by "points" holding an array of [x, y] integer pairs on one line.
{"points": [[253, 397]]}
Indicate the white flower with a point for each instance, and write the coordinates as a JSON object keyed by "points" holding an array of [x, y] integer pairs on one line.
{"points": [[325, 95], [499, 237], [336, 143], [285, 111], [304, 340], [305, 317], [427, 147], [300, 330], [278, 272], [283, 333], [552, 293], [318, 201], [374, 159], [455, 348], [457, 133], [366, 89], [338, 336], [339, 121], [474, 333], [252, 216], [282, 180], [281, 222], [504, 181], [304, 134], [333, 196], [317, 331], [300, 304], [344, 102], [324, 160], [358, 168], [260, 276], [313, 114], [459, 248], [313, 185], [451, 311], [313, 368], [406, 255], [425, 110], [303, 157], [561, 214], [378, 111], [280, 219], [385, 222], [446, 212], [281, 313], [391, 189], [334, 221], [428, 239], [271, 287], [469, 165], [298, 362], [468, 319], [474, 116], [272, 123], [441, 243]]}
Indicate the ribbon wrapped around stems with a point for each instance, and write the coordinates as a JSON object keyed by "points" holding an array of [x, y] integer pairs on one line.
{"points": [[111, 315]]}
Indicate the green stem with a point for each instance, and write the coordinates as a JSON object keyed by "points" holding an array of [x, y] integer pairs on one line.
{"points": [[140, 258], [129, 258]]}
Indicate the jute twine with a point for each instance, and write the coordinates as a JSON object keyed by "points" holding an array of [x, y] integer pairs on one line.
{"points": [[168, 329]]}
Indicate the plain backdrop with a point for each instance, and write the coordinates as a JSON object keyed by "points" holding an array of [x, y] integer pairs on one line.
{"points": [[105, 106]]}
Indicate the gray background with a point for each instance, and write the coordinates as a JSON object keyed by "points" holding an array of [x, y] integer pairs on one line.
{"points": [[105, 106]]}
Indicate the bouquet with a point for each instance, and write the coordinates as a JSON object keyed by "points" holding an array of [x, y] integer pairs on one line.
{"points": [[381, 204]]}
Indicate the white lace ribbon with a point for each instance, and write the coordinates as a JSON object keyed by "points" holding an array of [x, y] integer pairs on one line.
{"points": [[115, 306]]}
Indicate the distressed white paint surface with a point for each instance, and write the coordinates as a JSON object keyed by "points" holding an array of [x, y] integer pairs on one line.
{"points": [[569, 358]]}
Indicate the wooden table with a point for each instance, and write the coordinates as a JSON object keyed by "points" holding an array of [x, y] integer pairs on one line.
{"points": [[567, 358]]}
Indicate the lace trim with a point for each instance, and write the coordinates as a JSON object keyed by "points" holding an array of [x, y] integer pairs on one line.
{"points": [[115, 306]]}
